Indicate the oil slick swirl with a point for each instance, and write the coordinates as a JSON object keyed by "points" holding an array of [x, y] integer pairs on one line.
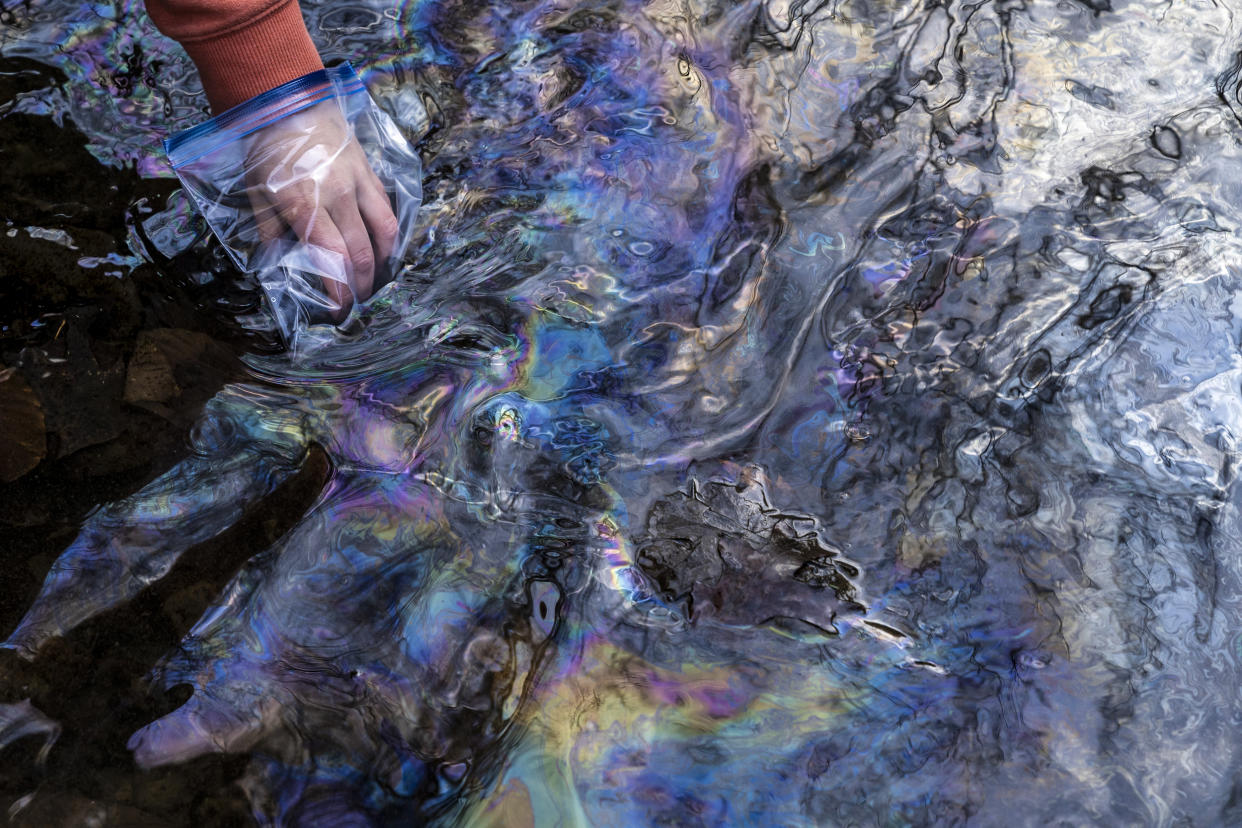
{"points": [[792, 414]]}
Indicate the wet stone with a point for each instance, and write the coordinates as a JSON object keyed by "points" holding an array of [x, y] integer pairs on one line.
{"points": [[80, 398], [721, 551], [1166, 140]]}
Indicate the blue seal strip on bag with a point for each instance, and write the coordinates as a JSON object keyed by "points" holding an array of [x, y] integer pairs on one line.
{"points": [[292, 96], [266, 176]]}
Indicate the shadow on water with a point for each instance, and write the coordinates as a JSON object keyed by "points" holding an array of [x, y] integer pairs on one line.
{"points": [[791, 414], [90, 683]]}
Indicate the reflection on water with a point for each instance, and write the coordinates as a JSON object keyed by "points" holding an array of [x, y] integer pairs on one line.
{"points": [[792, 414]]}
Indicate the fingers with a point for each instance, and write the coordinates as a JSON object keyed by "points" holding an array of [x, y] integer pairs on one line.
{"points": [[377, 213], [314, 225], [361, 231], [268, 223], [338, 205], [357, 246]]}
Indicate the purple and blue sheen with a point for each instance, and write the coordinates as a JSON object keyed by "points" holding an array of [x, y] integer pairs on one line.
{"points": [[790, 415]]}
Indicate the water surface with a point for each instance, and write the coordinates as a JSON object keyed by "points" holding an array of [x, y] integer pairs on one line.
{"points": [[791, 414]]}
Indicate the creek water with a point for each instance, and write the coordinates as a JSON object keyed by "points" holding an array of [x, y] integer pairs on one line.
{"points": [[791, 413]]}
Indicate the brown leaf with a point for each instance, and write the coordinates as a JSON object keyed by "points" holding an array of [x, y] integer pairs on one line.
{"points": [[23, 437], [149, 377], [174, 371]]}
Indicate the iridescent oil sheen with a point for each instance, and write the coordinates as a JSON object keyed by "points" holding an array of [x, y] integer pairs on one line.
{"points": [[815, 413]]}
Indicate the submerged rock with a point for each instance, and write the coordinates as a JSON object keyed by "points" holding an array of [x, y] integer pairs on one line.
{"points": [[725, 554]]}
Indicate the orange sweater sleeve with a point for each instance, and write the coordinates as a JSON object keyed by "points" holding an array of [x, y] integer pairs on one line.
{"points": [[241, 47]]}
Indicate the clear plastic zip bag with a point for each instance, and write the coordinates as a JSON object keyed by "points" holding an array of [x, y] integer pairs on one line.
{"points": [[312, 187]]}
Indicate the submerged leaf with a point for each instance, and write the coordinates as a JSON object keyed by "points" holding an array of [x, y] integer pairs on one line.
{"points": [[23, 440]]}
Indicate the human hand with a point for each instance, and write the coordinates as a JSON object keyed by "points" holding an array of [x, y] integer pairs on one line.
{"points": [[308, 178]]}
